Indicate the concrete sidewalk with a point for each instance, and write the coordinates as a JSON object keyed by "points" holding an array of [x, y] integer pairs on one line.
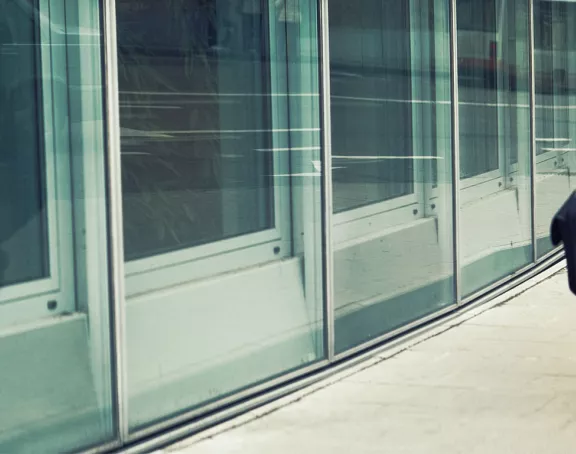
{"points": [[501, 382]]}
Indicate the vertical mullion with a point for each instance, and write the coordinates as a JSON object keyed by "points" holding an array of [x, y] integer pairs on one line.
{"points": [[327, 182], [115, 217], [532, 80], [418, 131], [455, 152]]}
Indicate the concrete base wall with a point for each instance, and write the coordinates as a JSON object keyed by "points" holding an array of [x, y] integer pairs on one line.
{"points": [[177, 337], [46, 381]]}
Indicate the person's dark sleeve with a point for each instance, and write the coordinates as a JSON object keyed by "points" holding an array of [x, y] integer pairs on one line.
{"points": [[563, 231]]}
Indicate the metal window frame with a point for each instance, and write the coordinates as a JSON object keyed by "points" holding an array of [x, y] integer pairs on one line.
{"points": [[374, 217]]}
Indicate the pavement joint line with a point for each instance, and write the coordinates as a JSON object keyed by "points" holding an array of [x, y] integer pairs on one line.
{"points": [[371, 358]]}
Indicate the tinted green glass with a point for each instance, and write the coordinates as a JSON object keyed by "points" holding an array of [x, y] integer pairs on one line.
{"points": [[23, 230], [391, 146], [494, 117], [55, 373], [555, 42], [219, 116]]}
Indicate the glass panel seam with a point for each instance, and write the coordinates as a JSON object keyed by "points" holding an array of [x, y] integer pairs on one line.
{"points": [[115, 217], [532, 80], [455, 153], [327, 182]]}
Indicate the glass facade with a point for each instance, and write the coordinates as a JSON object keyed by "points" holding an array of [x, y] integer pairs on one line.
{"points": [[495, 146], [554, 45], [55, 341], [221, 201], [391, 154], [204, 199]]}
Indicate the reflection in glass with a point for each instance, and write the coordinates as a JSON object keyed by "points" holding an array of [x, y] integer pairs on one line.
{"points": [[555, 42], [194, 84], [390, 111], [220, 143], [494, 120], [371, 91], [23, 230], [55, 365], [478, 82]]}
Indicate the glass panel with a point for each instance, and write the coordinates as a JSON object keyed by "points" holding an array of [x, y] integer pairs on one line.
{"points": [[194, 146], [494, 109], [555, 42], [23, 230], [55, 378], [372, 120], [391, 144], [219, 106], [477, 86]]}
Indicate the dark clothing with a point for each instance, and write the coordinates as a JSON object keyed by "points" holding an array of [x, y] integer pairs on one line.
{"points": [[563, 230]]}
